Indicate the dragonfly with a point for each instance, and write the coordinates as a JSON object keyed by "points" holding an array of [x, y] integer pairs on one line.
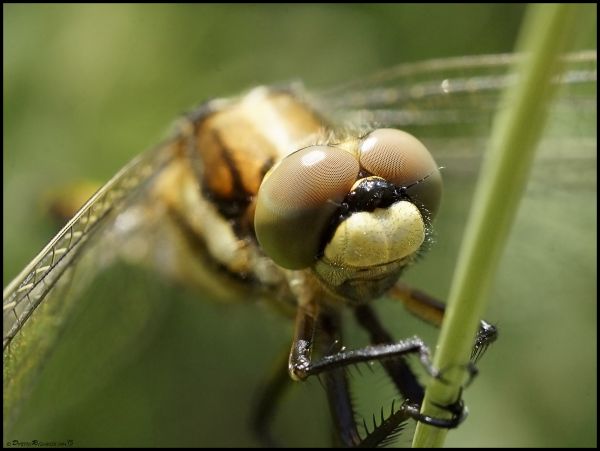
{"points": [[447, 103]]}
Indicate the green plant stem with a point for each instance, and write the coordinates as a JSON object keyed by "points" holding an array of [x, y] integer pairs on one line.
{"points": [[517, 128]]}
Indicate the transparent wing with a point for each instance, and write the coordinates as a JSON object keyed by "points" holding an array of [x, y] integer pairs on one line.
{"points": [[37, 280], [459, 91], [40, 300]]}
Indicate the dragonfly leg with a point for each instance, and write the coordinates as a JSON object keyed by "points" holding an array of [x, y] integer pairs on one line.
{"points": [[341, 408], [431, 310], [388, 352], [403, 377], [335, 383], [301, 365], [342, 411], [337, 386], [269, 397], [401, 374], [340, 402]]}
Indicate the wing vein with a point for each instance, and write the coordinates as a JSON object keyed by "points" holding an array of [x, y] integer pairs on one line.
{"points": [[52, 261]]}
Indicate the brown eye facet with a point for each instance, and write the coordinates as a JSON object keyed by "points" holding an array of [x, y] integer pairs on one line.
{"points": [[402, 159], [296, 201]]}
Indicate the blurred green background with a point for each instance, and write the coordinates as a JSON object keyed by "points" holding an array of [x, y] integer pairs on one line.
{"points": [[87, 87]]}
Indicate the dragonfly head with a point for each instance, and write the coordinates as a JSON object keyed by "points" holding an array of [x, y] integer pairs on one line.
{"points": [[356, 213]]}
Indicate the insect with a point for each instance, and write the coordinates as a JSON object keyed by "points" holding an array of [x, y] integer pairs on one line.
{"points": [[216, 193]]}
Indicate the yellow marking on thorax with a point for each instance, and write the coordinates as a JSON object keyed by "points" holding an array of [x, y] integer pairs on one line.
{"points": [[283, 120]]}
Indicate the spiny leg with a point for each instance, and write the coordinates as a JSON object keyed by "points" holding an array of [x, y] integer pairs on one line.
{"points": [[403, 377], [336, 383], [341, 408], [380, 433], [337, 387], [398, 369], [431, 311], [301, 365]]}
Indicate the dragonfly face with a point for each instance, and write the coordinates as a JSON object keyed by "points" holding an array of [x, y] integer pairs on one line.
{"points": [[361, 229], [170, 199]]}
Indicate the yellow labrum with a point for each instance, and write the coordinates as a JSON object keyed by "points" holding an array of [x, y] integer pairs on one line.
{"points": [[378, 237]]}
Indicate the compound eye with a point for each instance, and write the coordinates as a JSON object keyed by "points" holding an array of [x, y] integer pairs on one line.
{"points": [[402, 159], [296, 201]]}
